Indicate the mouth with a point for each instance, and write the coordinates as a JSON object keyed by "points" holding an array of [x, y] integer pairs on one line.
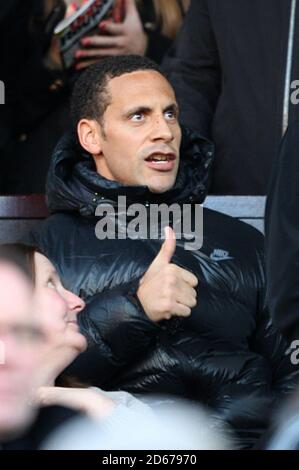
{"points": [[161, 161], [74, 323]]}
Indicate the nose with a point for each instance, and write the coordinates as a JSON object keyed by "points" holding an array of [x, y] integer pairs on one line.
{"points": [[74, 303], [161, 130]]}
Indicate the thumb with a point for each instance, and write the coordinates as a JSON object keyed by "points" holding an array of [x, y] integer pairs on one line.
{"points": [[115, 29], [47, 396], [164, 256], [167, 249], [130, 7]]}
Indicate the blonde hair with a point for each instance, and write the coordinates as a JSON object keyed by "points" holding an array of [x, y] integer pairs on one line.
{"points": [[170, 15]]}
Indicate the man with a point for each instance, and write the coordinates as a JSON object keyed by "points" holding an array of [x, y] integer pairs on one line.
{"points": [[282, 237], [38, 87], [159, 319], [232, 87]]}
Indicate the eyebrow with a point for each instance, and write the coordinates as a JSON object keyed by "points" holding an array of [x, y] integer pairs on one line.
{"points": [[147, 109]]}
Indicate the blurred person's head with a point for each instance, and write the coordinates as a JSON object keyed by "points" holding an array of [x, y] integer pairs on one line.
{"points": [[56, 308], [169, 15], [21, 340], [126, 115], [283, 434]]}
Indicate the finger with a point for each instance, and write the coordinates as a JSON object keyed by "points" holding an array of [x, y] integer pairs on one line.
{"points": [[185, 288], [130, 6], [184, 298], [188, 277], [169, 246], [181, 310], [50, 395], [115, 29], [91, 53], [86, 63], [100, 54], [166, 251], [99, 41]]}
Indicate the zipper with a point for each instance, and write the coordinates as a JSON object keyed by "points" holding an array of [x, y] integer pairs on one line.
{"points": [[287, 87]]}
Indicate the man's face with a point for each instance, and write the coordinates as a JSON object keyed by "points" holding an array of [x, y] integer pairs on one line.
{"points": [[141, 139], [20, 347]]}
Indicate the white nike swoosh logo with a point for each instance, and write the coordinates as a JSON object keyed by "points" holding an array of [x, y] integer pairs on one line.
{"points": [[220, 258]]}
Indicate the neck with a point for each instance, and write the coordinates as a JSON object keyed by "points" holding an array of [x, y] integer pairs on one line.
{"points": [[54, 364]]}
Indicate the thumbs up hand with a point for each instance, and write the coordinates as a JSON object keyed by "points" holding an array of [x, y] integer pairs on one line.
{"points": [[167, 290]]}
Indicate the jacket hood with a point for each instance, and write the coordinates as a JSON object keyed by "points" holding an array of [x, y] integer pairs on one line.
{"points": [[73, 185]]}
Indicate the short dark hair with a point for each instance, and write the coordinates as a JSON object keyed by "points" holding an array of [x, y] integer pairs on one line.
{"points": [[90, 97]]}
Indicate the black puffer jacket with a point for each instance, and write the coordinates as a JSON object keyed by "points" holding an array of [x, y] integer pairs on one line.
{"points": [[226, 355], [229, 86]]}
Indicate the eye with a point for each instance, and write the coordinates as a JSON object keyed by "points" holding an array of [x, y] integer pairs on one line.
{"points": [[51, 284], [137, 117], [170, 114]]}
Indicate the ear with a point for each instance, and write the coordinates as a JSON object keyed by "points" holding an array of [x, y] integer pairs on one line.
{"points": [[89, 135]]}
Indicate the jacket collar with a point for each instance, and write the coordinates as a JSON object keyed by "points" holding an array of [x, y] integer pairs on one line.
{"points": [[74, 185]]}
